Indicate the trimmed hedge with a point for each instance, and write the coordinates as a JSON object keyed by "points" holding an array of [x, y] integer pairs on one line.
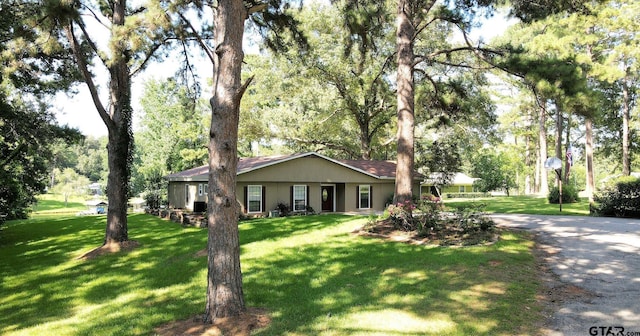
{"points": [[622, 199]]}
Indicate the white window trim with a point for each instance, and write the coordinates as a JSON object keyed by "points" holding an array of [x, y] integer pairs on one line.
{"points": [[249, 199], [360, 192], [200, 189], [306, 201], [206, 188]]}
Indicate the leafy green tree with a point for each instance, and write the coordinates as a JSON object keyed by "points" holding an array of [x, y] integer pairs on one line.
{"points": [[172, 135], [496, 171], [135, 34], [324, 99], [92, 158], [27, 134], [70, 183]]}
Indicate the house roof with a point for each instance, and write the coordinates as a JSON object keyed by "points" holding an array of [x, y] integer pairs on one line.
{"points": [[373, 168]]}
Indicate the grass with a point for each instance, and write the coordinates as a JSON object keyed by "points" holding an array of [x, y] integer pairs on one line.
{"points": [[53, 204], [523, 205], [310, 273]]}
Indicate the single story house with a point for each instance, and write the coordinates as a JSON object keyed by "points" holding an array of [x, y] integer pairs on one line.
{"points": [[436, 185], [298, 180]]}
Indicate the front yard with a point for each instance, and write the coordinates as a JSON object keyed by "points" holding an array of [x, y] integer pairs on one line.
{"points": [[311, 274]]}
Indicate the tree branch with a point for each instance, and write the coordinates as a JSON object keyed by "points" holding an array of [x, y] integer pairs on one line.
{"points": [[88, 79], [199, 39], [90, 41]]}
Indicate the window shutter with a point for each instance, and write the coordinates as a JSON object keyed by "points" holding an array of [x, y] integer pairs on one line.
{"points": [[246, 199], [370, 196], [291, 199], [264, 198], [357, 197], [307, 197]]}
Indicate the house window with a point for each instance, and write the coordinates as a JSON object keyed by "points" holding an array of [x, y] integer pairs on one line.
{"points": [[299, 197], [254, 198], [200, 189], [206, 188], [364, 196], [461, 189]]}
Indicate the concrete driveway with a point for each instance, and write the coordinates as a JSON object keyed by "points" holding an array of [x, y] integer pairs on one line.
{"points": [[599, 255]]}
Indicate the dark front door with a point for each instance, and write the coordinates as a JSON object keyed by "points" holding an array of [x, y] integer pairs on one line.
{"points": [[327, 198]]}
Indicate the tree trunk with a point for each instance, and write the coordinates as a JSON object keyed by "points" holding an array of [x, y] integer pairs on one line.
{"points": [[404, 39], [117, 120], [120, 146], [588, 154], [626, 116], [558, 144], [224, 280], [365, 139], [543, 189], [119, 154], [567, 146]]}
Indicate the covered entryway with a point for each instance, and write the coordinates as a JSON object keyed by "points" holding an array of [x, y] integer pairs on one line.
{"points": [[328, 198]]}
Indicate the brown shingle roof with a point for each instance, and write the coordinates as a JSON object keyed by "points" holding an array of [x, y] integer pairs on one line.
{"points": [[378, 169]]}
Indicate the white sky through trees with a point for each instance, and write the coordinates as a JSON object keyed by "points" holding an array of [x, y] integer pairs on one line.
{"points": [[78, 110]]}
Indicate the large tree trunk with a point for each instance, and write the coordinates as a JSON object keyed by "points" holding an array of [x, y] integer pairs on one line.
{"points": [[119, 148], [588, 154], [543, 188], [119, 153], [224, 281], [404, 39], [626, 116], [117, 120]]}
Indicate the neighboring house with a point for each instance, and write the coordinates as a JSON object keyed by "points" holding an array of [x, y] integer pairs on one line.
{"points": [[460, 183], [298, 180], [95, 189]]}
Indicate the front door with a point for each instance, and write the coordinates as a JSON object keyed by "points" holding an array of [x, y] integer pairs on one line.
{"points": [[327, 198]]}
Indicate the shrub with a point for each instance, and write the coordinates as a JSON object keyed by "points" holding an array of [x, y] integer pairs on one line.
{"points": [[283, 208], [401, 215], [473, 219], [569, 194], [622, 199]]}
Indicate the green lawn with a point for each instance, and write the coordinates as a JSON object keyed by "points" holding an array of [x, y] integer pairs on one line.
{"points": [[310, 273], [53, 204], [523, 205]]}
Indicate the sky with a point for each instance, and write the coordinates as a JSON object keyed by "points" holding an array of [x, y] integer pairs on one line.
{"points": [[78, 111]]}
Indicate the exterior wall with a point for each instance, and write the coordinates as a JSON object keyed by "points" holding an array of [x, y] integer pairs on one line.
{"points": [[177, 192], [279, 178], [307, 169]]}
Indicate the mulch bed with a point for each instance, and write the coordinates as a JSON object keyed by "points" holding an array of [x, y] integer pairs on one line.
{"points": [[125, 246], [447, 236], [251, 319]]}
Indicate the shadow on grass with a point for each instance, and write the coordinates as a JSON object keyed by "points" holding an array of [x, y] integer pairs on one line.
{"points": [[43, 282], [345, 285], [309, 272]]}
